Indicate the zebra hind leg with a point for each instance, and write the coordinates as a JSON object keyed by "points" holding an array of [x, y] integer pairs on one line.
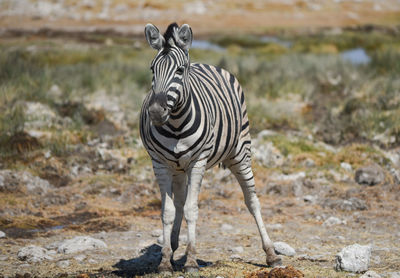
{"points": [[244, 174]]}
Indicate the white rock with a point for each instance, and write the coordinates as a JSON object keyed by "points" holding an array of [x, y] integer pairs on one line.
{"points": [[156, 233], [370, 274], [267, 155], [284, 249], [346, 166], [237, 249], [2, 234], [63, 263], [353, 258], [395, 275], [39, 115], [310, 199], [370, 175], [35, 184], [33, 254], [80, 243], [331, 221], [55, 93]]}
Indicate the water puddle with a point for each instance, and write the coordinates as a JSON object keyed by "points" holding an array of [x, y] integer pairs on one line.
{"points": [[356, 56], [206, 45]]}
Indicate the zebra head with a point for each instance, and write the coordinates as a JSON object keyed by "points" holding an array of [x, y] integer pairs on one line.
{"points": [[169, 67]]}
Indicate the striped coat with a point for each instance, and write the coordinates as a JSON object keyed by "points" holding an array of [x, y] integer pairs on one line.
{"points": [[211, 122], [193, 118]]}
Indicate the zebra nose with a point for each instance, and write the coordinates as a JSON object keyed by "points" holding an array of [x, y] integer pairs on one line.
{"points": [[156, 109], [157, 113]]}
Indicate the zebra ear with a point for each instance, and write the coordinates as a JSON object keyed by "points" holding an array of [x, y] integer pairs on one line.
{"points": [[153, 37], [184, 36]]}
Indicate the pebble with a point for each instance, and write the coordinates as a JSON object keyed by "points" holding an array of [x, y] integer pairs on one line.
{"points": [[235, 257], [284, 249], [237, 249], [370, 274], [80, 243], [331, 221], [156, 233], [2, 234], [310, 199], [63, 263], [346, 166], [353, 258]]}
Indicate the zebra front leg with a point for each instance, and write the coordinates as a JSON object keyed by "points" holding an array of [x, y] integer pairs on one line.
{"points": [[191, 210], [164, 179], [244, 175], [179, 190]]}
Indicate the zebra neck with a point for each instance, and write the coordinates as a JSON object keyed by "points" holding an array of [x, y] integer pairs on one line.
{"points": [[184, 98]]}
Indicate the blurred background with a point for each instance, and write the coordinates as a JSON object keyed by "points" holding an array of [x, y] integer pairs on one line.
{"points": [[322, 86]]}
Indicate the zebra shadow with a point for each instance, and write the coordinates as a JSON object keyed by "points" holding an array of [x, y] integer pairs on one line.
{"points": [[148, 263]]}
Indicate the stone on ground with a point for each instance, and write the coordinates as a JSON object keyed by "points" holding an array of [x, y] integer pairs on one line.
{"points": [[33, 254], [331, 221], [370, 274], [63, 263], [79, 244], [282, 248], [2, 234], [353, 258], [370, 175]]}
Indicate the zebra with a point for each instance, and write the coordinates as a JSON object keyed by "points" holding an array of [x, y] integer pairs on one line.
{"points": [[193, 118]]}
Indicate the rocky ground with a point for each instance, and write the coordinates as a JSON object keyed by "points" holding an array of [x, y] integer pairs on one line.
{"points": [[77, 193], [96, 212]]}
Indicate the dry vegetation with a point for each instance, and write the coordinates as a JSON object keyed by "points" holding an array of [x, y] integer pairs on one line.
{"points": [[69, 116]]}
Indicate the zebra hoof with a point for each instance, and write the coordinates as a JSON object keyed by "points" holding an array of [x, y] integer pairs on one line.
{"points": [[275, 261]]}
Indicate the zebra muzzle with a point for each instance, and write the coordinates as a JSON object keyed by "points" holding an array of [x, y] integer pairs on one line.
{"points": [[159, 115]]}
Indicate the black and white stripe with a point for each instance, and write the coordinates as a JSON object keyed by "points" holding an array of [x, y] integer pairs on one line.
{"points": [[193, 118]]}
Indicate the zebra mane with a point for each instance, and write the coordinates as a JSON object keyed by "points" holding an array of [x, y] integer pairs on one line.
{"points": [[169, 34]]}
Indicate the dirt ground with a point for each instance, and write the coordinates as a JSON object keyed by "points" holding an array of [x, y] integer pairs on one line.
{"points": [[124, 213]]}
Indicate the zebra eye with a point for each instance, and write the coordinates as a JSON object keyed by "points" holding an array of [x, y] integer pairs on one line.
{"points": [[180, 70]]}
